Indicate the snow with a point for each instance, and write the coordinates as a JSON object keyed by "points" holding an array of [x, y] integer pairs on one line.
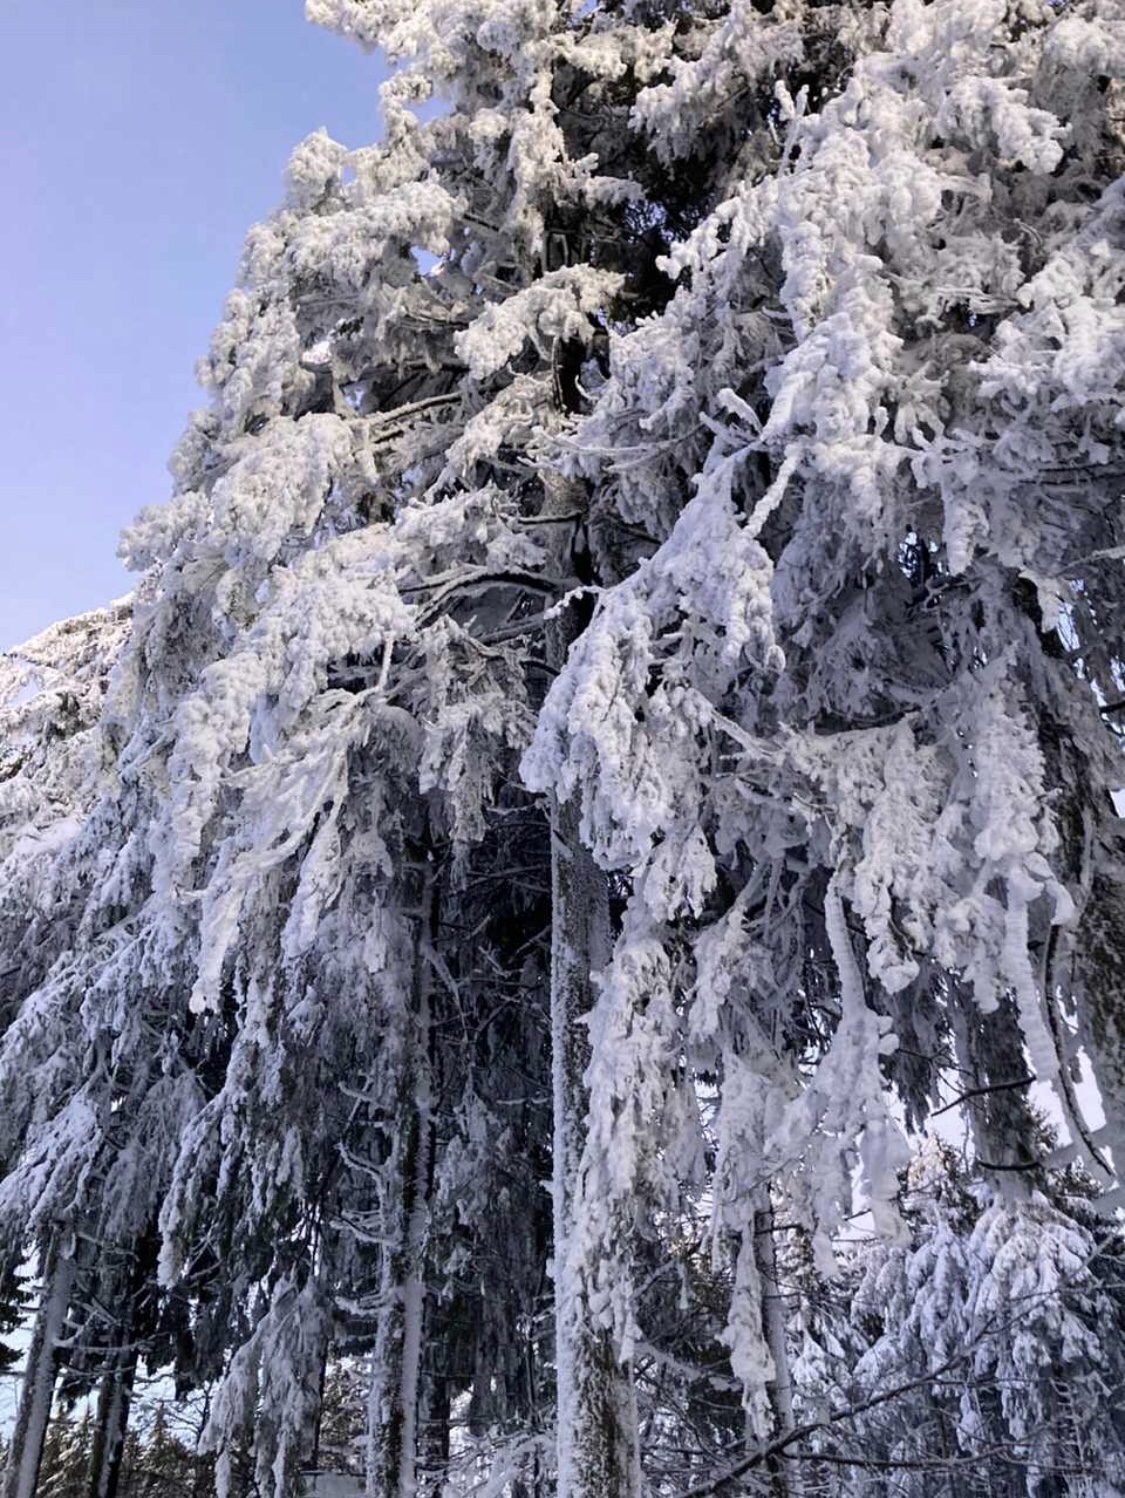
{"points": [[687, 471]]}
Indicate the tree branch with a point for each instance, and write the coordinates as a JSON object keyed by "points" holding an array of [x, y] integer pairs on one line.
{"points": [[982, 1092]]}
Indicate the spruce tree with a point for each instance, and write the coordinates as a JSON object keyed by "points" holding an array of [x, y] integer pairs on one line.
{"points": [[66, 1454], [625, 685]]}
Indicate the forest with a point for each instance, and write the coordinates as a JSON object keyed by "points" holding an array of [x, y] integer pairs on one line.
{"points": [[567, 940]]}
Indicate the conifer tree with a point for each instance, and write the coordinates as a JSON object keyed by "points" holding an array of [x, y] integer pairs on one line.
{"points": [[625, 683], [66, 1455]]}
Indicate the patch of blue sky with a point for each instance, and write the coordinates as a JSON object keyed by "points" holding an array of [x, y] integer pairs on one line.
{"points": [[138, 142]]}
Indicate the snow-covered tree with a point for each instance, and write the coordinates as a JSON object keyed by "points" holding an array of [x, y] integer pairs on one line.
{"points": [[65, 1459], [624, 686], [52, 759], [982, 1355], [840, 729]]}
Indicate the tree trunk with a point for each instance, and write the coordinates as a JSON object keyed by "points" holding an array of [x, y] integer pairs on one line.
{"points": [[597, 1419], [322, 1379], [110, 1425], [22, 1473], [433, 1444], [392, 1406], [202, 1471], [1001, 1121], [783, 1484]]}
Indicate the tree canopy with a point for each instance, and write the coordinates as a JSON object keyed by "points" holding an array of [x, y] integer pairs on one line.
{"points": [[624, 697]]}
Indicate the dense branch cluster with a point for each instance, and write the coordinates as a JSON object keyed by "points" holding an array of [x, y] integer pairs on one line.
{"points": [[616, 729]]}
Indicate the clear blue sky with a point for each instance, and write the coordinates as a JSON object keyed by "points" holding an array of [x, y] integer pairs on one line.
{"points": [[139, 139]]}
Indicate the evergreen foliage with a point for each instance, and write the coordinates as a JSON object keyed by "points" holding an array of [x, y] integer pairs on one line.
{"points": [[623, 699]]}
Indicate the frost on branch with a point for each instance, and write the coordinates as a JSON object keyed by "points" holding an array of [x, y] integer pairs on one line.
{"points": [[698, 447]]}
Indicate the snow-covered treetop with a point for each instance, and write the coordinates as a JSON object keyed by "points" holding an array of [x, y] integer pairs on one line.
{"points": [[51, 694]]}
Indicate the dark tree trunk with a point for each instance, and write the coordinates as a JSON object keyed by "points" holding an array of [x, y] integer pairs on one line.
{"points": [[393, 1398], [111, 1424], [26, 1454]]}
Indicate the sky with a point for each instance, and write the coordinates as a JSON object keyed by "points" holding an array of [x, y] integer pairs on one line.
{"points": [[139, 139]]}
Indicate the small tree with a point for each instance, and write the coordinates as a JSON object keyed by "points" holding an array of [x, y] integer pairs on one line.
{"points": [[63, 1472]]}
